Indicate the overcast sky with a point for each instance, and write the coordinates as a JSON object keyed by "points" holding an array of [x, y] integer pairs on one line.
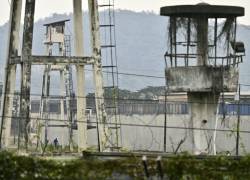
{"points": [[45, 8]]}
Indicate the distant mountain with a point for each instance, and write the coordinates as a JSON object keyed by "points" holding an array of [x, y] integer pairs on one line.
{"points": [[141, 44]]}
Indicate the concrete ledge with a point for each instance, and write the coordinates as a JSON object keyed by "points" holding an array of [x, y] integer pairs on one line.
{"points": [[202, 79]]}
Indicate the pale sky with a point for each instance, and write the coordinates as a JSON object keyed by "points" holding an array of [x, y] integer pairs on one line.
{"points": [[45, 8]]}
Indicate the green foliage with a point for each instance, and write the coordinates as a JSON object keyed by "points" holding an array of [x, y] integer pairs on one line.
{"points": [[174, 168], [149, 92], [29, 168]]}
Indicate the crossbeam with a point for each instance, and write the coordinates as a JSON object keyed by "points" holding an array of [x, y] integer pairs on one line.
{"points": [[56, 60]]}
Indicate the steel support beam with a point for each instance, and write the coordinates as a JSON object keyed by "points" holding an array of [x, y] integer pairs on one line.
{"points": [[79, 51], [26, 72], [104, 141], [10, 72]]}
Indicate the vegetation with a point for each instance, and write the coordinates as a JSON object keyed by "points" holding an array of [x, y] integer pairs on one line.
{"points": [[174, 168], [149, 93]]}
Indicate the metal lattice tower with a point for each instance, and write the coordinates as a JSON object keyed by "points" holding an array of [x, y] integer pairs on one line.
{"points": [[110, 69]]}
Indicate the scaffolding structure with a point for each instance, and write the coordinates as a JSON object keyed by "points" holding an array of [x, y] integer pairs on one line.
{"points": [[110, 68]]}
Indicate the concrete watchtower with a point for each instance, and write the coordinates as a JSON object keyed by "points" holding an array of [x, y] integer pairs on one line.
{"points": [[55, 33], [202, 60]]}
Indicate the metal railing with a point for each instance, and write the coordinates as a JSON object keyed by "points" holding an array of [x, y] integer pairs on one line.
{"points": [[186, 60]]}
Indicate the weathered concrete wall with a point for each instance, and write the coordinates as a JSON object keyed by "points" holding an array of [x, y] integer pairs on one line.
{"points": [[151, 138], [138, 135], [202, 79]]}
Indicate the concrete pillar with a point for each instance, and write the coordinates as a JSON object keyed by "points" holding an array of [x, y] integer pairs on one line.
{"points": [[62, 94], [26, 71], [202, 40], [203, 115], [79, 51], [98, 79], [10, 72], [68, 105]]}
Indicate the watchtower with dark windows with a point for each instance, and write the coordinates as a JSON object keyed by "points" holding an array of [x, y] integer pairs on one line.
{"points": [[55, 33]]}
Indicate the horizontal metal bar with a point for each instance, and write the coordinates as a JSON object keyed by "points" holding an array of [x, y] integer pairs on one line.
{"points": [[110, 87], [107, 25], [111, 107], [108, 155], [57, 125], [108, 46], [109, 66], [56, 60], [195, 56], [106, 5], [118, 127]]}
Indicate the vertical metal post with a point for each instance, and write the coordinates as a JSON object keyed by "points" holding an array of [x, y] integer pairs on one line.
{"points": [[26, 70], [188, 40], [215, 40], [238, 126], [171, 40], [98, 79], [228, 47], [81, 100], [234, 40], [10, 72], [175, 41], [165, 121]]}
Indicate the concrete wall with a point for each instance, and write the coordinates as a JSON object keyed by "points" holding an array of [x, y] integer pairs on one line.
{"points": [[151, 138], [202, 79], [138, 135]]}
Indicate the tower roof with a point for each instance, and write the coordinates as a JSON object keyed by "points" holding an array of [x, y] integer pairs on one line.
{"points": [[203, 9], [57, 23]]}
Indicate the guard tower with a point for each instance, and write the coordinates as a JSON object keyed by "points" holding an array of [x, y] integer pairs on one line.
{"points": [[55, 36], [202, 60]]}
